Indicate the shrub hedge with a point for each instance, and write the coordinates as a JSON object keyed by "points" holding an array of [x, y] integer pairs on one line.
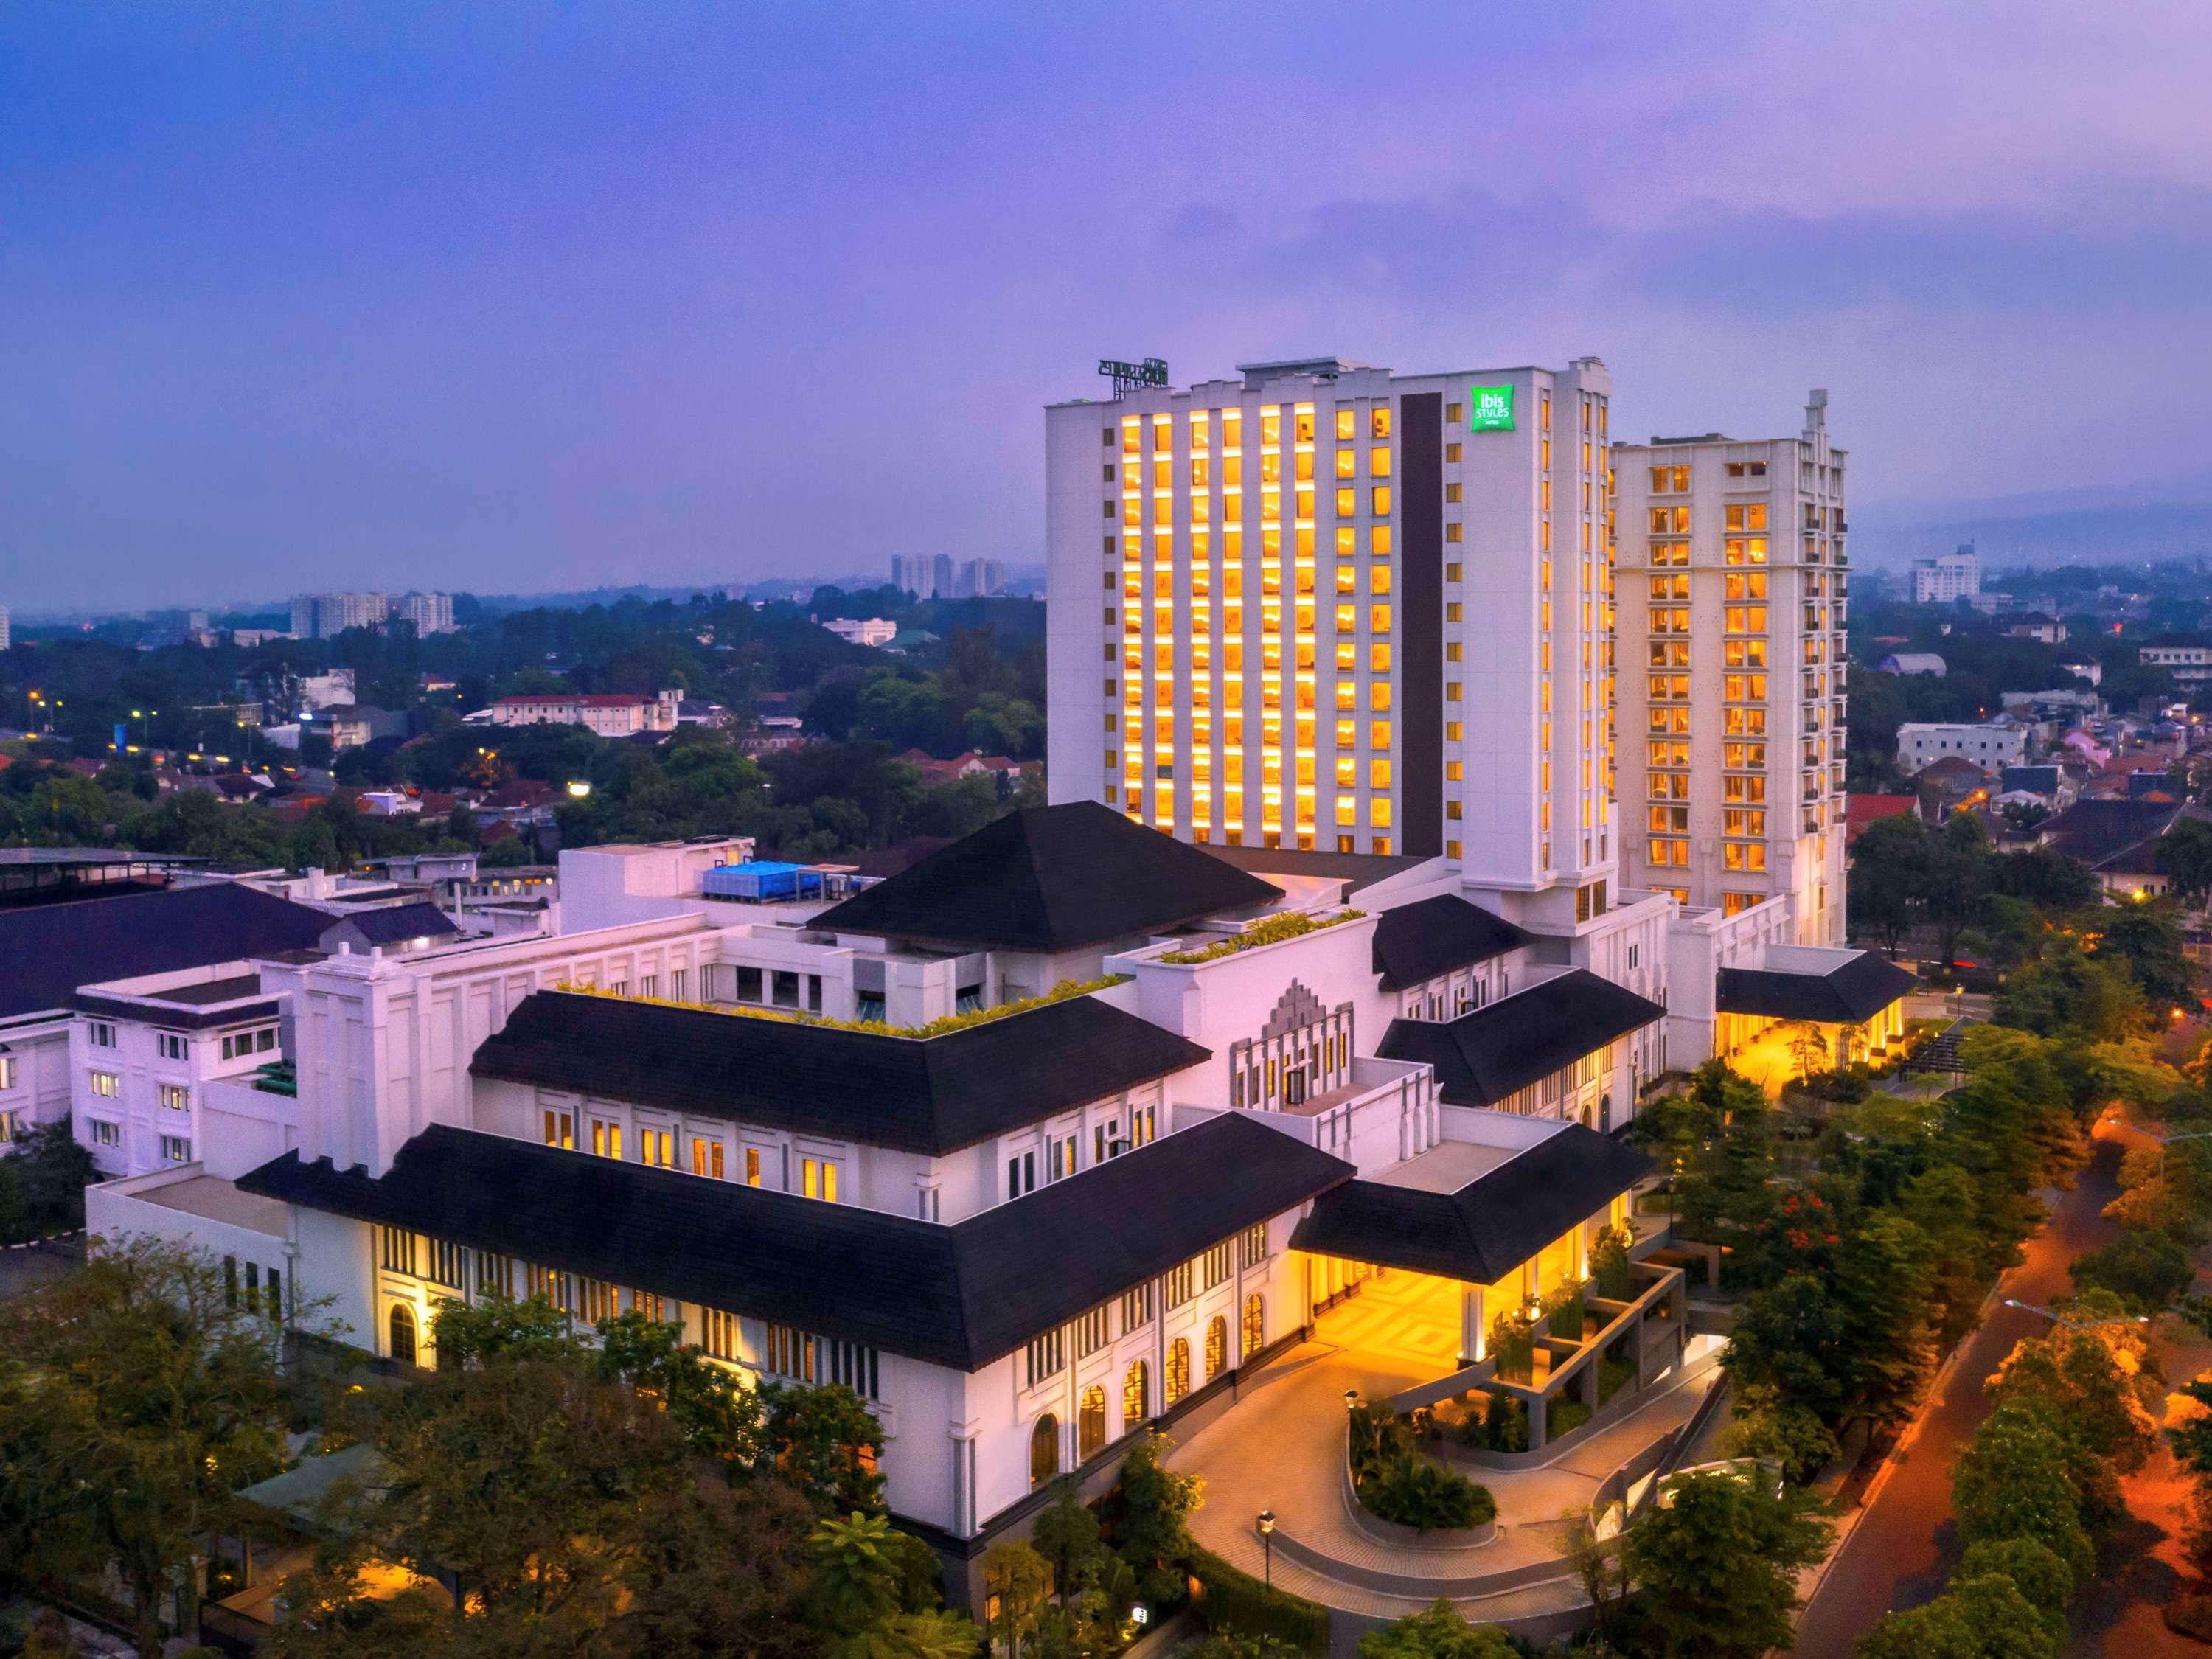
{"points": [[1231, 1600]]}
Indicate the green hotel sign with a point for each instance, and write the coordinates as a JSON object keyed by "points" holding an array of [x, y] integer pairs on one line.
{"points": [[1489, 408]]}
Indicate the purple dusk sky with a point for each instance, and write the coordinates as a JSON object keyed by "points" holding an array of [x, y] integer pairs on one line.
{"points": [[515, 298]]}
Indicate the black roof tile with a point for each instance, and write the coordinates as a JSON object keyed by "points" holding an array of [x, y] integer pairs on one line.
{"points": [[1050, 878], [1482, 1057], [1418, 941], [961, 1296], [929, 1094], [1488, 1227], [1850, 992], [48, 951], [395, 922]]}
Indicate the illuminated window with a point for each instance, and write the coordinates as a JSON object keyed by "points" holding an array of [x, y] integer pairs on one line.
{"points": [[1379, 500]]}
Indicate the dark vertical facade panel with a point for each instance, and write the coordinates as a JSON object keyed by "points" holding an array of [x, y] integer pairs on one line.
{"points": [[1421, 624]]}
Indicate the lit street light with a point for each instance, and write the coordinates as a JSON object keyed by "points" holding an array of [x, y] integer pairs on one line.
{"points": [[579, 790], [1267, 1538]]}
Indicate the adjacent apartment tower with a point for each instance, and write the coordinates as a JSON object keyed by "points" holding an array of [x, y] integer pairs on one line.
{"points": [[1330, 607], [1732, 712]]}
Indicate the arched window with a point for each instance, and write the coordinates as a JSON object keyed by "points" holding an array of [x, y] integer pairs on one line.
{"points": [[1605, 1115], [402, 1333], [1255, 1326], [1217, 1347], [1178, 1369], [1136, 1397], [1090, 1423], [1044, 1449]]}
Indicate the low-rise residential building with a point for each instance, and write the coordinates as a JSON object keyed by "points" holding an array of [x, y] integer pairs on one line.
{"points": [[2083, 668], [56, 941], [1865, 809], [2187, 658], [1988, 744], [350, 725], [2030, 625], [2116, 837], [611, 714], [853, 630], [144, 1053]]}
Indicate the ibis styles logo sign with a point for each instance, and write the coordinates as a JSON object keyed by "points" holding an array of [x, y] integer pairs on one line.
{"points": [[1489, 408]]}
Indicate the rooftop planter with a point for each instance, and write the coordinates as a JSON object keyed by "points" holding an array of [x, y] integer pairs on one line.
{"points": [[1064, 991], [1274, 930]]}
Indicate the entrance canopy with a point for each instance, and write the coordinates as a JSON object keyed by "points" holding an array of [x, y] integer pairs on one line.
{"points": [[1812, 982], [1471, 1213]]}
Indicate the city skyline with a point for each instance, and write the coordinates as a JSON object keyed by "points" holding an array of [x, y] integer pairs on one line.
{"points": [[436, 308]]}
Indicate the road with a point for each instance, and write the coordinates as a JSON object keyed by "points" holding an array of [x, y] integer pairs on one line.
{"points": [[1904, 1545]]}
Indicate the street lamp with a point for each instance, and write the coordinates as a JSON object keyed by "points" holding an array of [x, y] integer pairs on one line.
{"points": [[579, 790], [1267, 1538], [2073, 1324]]}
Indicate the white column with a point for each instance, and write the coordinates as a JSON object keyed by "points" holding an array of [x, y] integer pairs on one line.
{"points": [[1474, 1330]]}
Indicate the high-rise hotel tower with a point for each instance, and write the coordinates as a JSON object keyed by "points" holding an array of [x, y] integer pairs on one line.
{"points": [[1328, 607], [1732, 559]]}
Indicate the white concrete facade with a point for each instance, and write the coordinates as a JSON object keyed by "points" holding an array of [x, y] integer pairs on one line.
{"points": [[1733, 704], [144, 1052], [1920, 744], [1947, 577]]}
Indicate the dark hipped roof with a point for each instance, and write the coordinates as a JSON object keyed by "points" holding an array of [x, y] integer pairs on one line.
{"points": [[2097, 830], [1488, 1227], [1482, 1057], [933, 1094], [959, 1295], [1847, 993], [1419, 941], [396, 922], [48, 951], [1050, 878]]}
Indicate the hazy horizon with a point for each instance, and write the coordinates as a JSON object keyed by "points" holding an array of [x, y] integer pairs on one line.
{"points": [[418, 296]]}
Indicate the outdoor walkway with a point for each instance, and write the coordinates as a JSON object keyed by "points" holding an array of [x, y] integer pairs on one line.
{"points": [[1282, 1449]]}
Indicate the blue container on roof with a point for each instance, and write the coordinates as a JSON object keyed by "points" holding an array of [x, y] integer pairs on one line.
{"points": [[762, 881]]}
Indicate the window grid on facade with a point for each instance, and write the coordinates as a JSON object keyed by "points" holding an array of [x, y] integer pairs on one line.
{"points": [[395, 1250], [1046, 1357]]}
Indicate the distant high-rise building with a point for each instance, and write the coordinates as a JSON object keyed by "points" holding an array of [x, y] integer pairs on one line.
{"points": [[1732, 600], [940, 576], [981, 578], [322, 615], [196, 622], [911, 573], [431, 613], [3, 627], [1946, 577]]}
